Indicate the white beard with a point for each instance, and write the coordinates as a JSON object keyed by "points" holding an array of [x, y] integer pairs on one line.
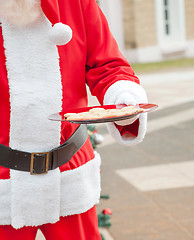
{"points": [[20, 12]]}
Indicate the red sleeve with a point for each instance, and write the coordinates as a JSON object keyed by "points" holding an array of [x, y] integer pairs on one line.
{"points": [[131, 129], [105, 64]]}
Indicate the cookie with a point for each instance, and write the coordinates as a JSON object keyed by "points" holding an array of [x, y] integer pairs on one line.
{"points": [[97, 110], [100, 113]]}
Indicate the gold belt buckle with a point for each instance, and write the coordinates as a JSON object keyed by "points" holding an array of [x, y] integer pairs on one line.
{"points": [[32, 163]]}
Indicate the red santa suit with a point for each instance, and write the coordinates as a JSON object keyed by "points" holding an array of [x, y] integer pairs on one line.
{"points": [[37, 78]]}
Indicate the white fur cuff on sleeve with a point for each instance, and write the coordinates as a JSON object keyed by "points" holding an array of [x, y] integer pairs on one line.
{"points": [[137, 94]]}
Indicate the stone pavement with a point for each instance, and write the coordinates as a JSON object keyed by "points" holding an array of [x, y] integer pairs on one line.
{"points": [[151, 185]]}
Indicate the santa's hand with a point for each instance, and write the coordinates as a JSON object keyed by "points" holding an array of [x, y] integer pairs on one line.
{"points": [[128, 99]]}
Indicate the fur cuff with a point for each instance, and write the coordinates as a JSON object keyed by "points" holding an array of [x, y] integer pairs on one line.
{"points": [[139, 96]]}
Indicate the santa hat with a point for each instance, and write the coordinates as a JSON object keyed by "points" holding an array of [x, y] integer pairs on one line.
{"points": [[61, 33]]}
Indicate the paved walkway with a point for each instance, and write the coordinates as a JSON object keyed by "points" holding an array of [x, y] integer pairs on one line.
{"points": [[151, 185]]}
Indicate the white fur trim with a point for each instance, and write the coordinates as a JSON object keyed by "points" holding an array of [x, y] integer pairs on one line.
{"points": [[35, 92], [80, 188], [80, 191], [60, 34], [5, 210], [35, 86], [137, 94], [36, 200]]}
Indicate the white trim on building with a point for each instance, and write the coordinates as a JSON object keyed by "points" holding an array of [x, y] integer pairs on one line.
{"points": [[190, 49], [113, 12]]}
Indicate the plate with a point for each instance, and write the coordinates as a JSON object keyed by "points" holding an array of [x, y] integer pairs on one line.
{"points": [[147, 107]]}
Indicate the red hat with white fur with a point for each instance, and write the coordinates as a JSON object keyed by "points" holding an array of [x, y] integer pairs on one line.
{"points": [[61, 33]]}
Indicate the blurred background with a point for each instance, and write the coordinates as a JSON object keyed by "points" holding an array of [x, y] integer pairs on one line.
{"points": [[152, 30], [151, 185]]}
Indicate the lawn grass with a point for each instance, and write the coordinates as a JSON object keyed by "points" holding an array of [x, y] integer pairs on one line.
{"points": [[157, 66]]}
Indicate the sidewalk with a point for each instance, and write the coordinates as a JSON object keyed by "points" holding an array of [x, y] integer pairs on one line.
{"points": [[151, 185], [170, 88]]}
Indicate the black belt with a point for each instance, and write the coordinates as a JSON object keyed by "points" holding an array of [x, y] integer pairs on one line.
{"points": [[42, 162]]}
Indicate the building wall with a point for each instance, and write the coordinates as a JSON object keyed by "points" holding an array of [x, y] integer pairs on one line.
{"points": [[145, 23], [129, 23], [139, 23], [189, 19]]}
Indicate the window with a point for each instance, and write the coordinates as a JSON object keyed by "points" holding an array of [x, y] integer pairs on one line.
{"points": [[166, 17], [170, 21]]}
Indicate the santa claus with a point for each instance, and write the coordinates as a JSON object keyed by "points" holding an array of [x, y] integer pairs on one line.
{"points": [[49, 51]]}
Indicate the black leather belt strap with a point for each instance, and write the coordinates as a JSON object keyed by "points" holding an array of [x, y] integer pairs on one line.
{"points": [[39, 163]]}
